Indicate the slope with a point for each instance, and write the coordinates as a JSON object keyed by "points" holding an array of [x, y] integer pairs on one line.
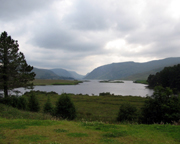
{"points": [[125, 70], [47, 74]]}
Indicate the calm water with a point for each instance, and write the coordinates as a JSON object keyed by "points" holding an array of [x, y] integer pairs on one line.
{"points": [[94, 88]]}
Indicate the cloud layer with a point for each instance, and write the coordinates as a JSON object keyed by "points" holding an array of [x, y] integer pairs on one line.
{"points": [[81, 35]]}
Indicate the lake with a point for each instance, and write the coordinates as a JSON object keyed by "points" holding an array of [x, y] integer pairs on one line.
{"points": [[94, 87]]}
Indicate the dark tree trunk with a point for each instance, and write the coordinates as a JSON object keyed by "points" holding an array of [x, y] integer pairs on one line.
{"points": [[5, 71]]}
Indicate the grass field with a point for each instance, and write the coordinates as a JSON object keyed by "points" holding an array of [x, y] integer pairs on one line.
{"points": [[95, 124], [42, 82], [21, 131], [94, 108]]}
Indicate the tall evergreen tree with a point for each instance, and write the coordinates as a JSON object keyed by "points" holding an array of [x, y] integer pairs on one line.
{"points": [[14, 71]]}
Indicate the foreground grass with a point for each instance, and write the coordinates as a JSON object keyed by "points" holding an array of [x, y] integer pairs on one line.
{"points": [[20, 131], [19, 127], [13, 113], [43, 82]]}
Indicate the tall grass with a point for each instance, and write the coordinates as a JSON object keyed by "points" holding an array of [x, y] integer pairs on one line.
{"points": [[93, 108], [13, 113]]}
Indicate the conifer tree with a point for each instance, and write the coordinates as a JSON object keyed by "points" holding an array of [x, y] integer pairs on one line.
{"points": [[65, 108], [14, 71], [48, 107]]}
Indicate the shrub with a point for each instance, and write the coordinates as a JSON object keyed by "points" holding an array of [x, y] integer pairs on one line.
{"points": [[48, 107], [22, 103], [162, 106], [127, 112], [33, 104], [104, 94], [14, 101], [6, 101], [65, 108]]}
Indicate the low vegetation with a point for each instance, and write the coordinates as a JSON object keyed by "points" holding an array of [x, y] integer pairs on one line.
{"points": [[127, 113], [91, 108], [111, 81], [43, 82], [141, 81], [100, 119]]}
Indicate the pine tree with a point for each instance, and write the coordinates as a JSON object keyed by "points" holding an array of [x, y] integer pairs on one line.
{"points": [[48, 107], [65, 108], [33, 104], [14, 71]]}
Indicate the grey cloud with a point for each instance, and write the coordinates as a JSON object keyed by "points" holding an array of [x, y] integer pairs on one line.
{"points": [[94, 16], [66, 37], [64, 40], [14, 9], [86, 16]]}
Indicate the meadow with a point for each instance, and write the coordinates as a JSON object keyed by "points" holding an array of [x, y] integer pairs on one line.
{"points": [[20, 128], [93, 108], [95, 123]]}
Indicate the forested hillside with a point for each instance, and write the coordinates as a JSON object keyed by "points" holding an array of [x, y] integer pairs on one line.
{"points": [[168, 77]]}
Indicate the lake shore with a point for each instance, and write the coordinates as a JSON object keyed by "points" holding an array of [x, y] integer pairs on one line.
{"points": [[94, 87]]}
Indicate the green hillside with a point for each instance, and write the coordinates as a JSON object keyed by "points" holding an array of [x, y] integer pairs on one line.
{"points": [[48, 74], [131, 70]]}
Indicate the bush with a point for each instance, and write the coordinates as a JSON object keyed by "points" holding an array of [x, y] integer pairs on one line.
{"points": [[162, 106], [14, 101], [22, 103], [48, 107], [7, 101], [65, 108], [104, 94], [33, 104], [127, 112]]}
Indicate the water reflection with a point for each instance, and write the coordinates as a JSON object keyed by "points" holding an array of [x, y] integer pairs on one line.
{"points": [[93, 87]]}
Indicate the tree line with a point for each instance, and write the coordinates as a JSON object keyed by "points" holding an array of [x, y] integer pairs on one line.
{"points": [[168, 77]]}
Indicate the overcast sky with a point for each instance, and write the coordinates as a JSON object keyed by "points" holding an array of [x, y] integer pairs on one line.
{"points": [[81, 35]]}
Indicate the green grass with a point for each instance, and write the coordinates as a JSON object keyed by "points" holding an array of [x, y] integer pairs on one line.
{"points": [[60, 130], [94, 108], [111, 81], [110, 141], [31, 138], [43, 82], [115, 134], [13, 113], [77, 134], [19, 127], [68, 132]]}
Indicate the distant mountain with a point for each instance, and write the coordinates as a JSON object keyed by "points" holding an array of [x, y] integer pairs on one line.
{"points": [[131, 70], [48, 74], [76, 75], [65, 73], [61, 72]]}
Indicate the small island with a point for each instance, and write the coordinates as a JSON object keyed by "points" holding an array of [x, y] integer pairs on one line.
{"points": [[44, 82], [111, 81]]}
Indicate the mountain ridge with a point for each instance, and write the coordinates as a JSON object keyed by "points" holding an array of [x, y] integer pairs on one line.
{"points": [[123, 70], [57, 73]]}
